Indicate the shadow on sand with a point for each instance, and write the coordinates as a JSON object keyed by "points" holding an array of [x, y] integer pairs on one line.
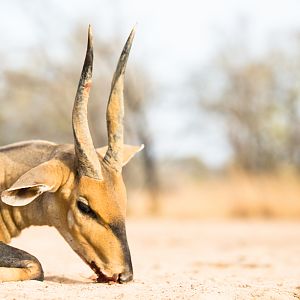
{"points": [[61, 279]]}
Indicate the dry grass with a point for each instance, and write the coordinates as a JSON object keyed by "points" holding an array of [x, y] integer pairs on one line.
{"points": [[236, 195]]}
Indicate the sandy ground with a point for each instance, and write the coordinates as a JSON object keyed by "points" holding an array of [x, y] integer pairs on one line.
{"points": [[175, 260]]}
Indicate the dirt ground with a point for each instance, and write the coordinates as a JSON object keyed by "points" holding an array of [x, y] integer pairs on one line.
{"points": [[175, 260]]}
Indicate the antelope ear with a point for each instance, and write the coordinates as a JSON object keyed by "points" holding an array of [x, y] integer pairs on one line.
{"points": [[46, 177], [128, 152]]}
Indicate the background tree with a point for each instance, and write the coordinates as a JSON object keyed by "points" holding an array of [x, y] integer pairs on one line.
{"points": [[258, 98]]}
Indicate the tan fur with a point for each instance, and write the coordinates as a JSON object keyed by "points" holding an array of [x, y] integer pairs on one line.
{"points": [[77, 189], [107, 198], [32, 271]]}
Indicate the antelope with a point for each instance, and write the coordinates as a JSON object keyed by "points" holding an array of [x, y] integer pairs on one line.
{"points": [[77, 189]]}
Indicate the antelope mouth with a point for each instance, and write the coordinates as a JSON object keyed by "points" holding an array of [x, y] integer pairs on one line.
{"points": [[101, 277]]}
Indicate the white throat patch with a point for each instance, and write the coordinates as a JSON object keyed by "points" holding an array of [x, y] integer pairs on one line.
{"points": [[71, 221]]}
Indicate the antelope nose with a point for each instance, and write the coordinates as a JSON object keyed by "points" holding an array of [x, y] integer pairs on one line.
{"points": [[125, 277]]}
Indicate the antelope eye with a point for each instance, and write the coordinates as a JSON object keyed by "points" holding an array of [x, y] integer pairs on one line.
{"points": [[86, 209]]}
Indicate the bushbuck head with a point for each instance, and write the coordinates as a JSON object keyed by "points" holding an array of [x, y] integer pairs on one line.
{"points": [[80, 190]]}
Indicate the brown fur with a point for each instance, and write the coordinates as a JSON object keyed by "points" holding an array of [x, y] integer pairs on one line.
{"points": [[51, 164], [77, 189]]}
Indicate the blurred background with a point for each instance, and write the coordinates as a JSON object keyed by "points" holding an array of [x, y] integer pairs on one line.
{"points": [[212, 90]]}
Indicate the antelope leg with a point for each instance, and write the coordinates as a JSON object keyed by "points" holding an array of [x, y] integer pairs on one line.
{"points": [[16, 264]]}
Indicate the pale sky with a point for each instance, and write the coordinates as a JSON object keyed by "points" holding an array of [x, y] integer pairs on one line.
{"points": [[173, 38]]}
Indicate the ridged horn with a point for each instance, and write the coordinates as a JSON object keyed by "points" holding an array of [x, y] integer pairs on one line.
{"points": [[87, 160], [115, 111]]}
